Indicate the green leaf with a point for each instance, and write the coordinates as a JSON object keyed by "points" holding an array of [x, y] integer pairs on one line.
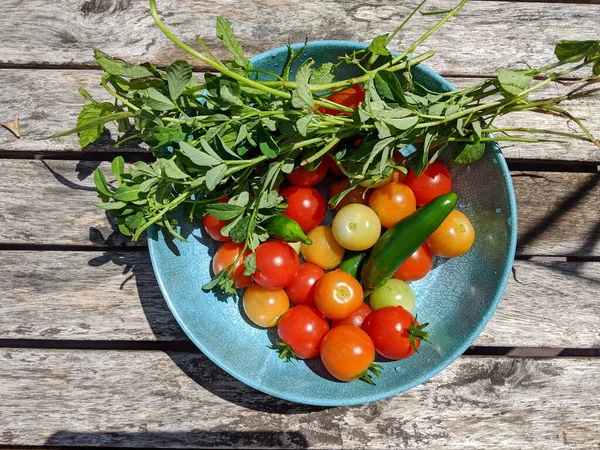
{"points": [[241, 199], [401, 124], [324, 74], [225, 33], [208, 149], [302, 96], [90, 112], [596, 68], [197, 156], [513, 82], [214, 176], [388, 86], [147, 185], [127, 193], [111, 205], [179, 75], [135, 221], [173, 171], [157, 101], [477, 129], [224, 211], [85, 94], [168, 135], [302, 124], [101, 184], [115, 66], [250, 263], [378, 44], [574, 51], [229, 96], [239, 232], [118, 167], [144, 167], [269, 123], [267, 144], [468, 153]]}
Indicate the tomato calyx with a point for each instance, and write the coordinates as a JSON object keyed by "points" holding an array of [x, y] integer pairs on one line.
{"points": [[285, 352], [416, 334], [365, 376]]}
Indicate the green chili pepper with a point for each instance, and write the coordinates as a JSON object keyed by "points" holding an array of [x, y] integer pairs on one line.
{"points": [[352, 262], [399, 242], [287, 229]]}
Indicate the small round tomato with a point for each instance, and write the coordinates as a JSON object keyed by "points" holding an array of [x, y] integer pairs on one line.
{"points": [[356, 227], [454, 237], [398, 176], [301, 291], [350, 97], [324, 251], [338, 295], [393, 293], [265, 306], [225, 256], [347, 352], [416, 266], [213, 226], [276, 264], [305, 205], [356, 195], [304, 177], [302, 329], [395, 332], [358, 318], [332, 165], [392, 203], [433, 182]]}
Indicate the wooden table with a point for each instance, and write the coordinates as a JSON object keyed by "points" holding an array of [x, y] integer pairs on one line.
{"points": [[90, 353]]}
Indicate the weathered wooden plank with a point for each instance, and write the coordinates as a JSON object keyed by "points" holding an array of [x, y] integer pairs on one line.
{"points": [[484, 37], [51, 103], [114, 296], [84, 398], [51, 202]]}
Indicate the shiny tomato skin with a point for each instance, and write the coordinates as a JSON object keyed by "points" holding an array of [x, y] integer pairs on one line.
{"points": [[347, 352], [303, 328], [356, 227], [276, 265], [433, 182], [358, 318], [350, 97], [301, 290], [417, 266], [324, 251], [389, 328], [225, 255], [264, 307], [338, 295], [454, 237], [392, 203], [305, 205], [303, 177]]}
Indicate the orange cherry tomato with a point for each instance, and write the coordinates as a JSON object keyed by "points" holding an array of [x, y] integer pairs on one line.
{"points": [[350, 97], [265, 306], [338, 295], [224, 257], [324, 251], [392, 202], [416, 266], [347, 352], [356, 195], [454, 237]]}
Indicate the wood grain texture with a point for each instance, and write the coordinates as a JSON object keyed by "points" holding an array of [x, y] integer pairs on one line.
{"points": [[61, 397], [482, 38], [51, 103], [114, 296], [60, 196]]}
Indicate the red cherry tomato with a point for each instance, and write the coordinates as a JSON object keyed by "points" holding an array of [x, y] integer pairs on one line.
{"points": [[305, 205], [224, 257], [333, 167], [302, 328], [350, 97], [303, 177], [416, 266], [433, 182], [395, 332], [301, 291], [276, 265], [214, 226], [357, 319]]}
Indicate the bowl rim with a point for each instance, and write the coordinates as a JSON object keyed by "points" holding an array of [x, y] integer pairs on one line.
{"points": [[434, 370]]}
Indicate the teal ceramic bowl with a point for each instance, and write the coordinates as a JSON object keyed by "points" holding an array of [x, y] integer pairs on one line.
{"points": [[457, 297]]}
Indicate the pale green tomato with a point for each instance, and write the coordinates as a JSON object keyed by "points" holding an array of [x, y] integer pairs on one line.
{"points": [[356, 227], [297, 245], [393, 293]]}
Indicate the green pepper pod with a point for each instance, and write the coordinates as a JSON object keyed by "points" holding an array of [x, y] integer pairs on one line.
{"points": [[399, 242], [287, 229], [352, 262]]}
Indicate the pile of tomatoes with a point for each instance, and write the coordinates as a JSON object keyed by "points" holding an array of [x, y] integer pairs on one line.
{"points": [[319, 309]]}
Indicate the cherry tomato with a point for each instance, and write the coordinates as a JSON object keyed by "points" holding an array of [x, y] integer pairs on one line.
{"points": [[392, 203], [324, 251], [302, 328], [214, 226], [224, 257], [454, 237], [356, 227], [395, 332], [347, 352], [358, 318], [265, 306], [332, 165], [433, 182], [398, 176], [416, 266], [305, 205], [276, 264], [303, 177], [350, 97], [301, 291], [356, 195], [393, 293], [338, 295]]}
